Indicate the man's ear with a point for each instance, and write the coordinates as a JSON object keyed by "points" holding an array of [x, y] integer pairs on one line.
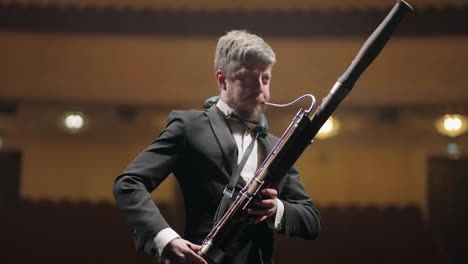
{"points": [[221, 80]]}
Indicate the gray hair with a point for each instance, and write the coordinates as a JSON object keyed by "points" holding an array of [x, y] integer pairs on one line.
{"points": [[238, 46]]}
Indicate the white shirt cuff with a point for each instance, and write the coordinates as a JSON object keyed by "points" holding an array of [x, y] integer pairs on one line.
{"points": [[279, 215], [160, 241]]}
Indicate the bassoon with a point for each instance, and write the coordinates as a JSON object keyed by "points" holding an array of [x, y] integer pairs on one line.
{"points": [[226, 233]]}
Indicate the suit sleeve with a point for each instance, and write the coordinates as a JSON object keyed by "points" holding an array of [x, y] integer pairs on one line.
{"points": [[301, 218], [132, 189]]}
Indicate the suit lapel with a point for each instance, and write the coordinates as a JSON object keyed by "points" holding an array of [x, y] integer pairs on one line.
{"points": [[267, 145], [224, 137]]}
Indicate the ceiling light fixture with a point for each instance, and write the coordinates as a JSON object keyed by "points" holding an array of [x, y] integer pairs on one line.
{"points": [[73, 122], [329, 129], [452, 125]]}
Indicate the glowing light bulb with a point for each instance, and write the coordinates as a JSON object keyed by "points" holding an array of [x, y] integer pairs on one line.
{"points": [[329, 129], [451, 125], [72, 122]]}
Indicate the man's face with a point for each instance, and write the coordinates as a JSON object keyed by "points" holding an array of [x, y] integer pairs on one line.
{"points": [[247, 88]]}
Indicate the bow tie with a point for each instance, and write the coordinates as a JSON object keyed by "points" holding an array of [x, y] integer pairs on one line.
{"points": [[255, 126], [247, 123]]}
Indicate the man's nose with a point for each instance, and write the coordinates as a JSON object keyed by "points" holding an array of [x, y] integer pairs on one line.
{"points": [[260, 85]]}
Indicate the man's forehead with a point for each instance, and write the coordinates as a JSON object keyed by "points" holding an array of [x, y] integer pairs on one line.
{"points": [[255, 65]]}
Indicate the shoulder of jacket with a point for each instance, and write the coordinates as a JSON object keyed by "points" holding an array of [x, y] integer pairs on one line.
{"points": [[185, 114]]}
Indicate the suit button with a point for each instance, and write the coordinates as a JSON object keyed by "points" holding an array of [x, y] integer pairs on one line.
{"points": [[293, 231], [279, 227]]}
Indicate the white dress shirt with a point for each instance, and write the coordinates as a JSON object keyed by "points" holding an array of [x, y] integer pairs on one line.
{"points": [[243, 138]]}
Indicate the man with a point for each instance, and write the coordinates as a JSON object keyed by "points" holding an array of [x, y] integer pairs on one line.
{"points": [[203, 149]]}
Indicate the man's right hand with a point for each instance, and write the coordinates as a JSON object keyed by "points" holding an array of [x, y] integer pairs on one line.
{"points": [[181, 251]]}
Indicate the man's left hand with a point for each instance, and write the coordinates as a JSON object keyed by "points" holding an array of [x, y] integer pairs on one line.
{"points": [[265, 206]]}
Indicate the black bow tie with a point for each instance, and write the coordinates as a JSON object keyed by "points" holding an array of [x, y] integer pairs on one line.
{"points": [[247, 123], [255, 126]]}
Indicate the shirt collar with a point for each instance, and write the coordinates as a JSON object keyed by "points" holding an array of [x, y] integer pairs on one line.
{"points": [[224, 108], [254, 125]]}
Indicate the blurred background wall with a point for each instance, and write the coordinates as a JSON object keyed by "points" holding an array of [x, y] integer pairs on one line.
{"points": [[126, 64]]}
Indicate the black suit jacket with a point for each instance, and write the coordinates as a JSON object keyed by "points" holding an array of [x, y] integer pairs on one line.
{"points": [[198, 147]]}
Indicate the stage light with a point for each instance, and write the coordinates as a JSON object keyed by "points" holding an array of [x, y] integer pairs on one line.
{"points": [[452, 125], [73, 122], [329, 129]]}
